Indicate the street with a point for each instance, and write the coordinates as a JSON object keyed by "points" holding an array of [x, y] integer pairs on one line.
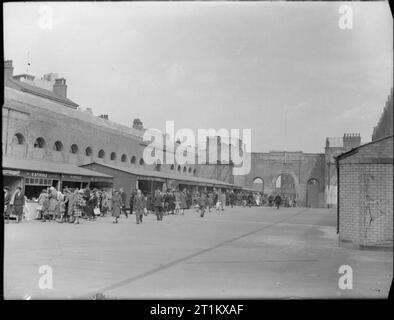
{"points": [[290, 253]]}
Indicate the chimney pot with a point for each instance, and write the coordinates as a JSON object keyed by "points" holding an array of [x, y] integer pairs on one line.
{"points": [[8, 69], [60, 87]]}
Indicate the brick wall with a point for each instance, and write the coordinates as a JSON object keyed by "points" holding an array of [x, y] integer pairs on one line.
{"points": [[366, 195]]}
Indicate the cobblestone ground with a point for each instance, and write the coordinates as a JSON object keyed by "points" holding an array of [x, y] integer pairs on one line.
{"points": [[237, 253]]}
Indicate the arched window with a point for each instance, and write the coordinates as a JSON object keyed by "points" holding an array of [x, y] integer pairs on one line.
{"points": [[133, 159], [313, 181], [74, 148], [113, 156], [190, 169], [194, 172], [285, 181], [101, 153], [258, 184], [123, 158], [142, 162], [19, 138], [58, 146], [172, 167], [88, 151], [39, 143], [179, 168], [184, 169]]}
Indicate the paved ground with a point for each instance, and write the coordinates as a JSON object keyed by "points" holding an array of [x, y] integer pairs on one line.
{"points": [[238, 253]]}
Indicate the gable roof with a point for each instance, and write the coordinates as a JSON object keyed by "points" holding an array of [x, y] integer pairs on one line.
{"points": [[25, 87], [355, 150]]}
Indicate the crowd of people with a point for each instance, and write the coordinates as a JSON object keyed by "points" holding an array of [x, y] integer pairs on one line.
{"points": [[73, 204]]}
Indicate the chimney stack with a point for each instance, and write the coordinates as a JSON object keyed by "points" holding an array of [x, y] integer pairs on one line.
{"points": [[8, 69], [60, 87], [137, 124]]}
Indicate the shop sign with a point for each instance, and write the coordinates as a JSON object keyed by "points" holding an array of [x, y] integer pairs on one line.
{"points": [[32, 174]]}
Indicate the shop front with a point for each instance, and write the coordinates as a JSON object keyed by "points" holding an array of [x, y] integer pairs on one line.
{"points": [[34, 176]]}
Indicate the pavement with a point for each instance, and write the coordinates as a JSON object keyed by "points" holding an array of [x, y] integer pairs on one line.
{"points": [[240, 253]]}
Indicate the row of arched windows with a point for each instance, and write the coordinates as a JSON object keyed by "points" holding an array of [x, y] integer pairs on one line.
{"points": [[58, 146], [184, 170]]}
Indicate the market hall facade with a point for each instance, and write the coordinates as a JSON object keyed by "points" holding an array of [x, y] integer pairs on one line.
{"points": [[41, 124]]}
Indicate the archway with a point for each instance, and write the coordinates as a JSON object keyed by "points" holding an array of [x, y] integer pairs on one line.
{"points": [[285, 185], [258, 184], [312, 193]]}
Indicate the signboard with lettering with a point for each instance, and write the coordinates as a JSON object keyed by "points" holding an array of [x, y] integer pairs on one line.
{"points": [[32, 174]]}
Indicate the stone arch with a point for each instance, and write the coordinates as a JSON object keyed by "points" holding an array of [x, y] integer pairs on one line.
{"points": [[142, 162], [258, 183], [286, 183], [113, 156], [133, 160], [123, 158], [312, 193]]}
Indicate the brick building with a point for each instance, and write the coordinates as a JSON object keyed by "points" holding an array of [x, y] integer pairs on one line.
{"points": [[365, 190]]}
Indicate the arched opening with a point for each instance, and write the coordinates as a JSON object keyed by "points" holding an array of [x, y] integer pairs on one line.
{"points": [[101, 154], [133, 160], [123, 158], [172, 167], [39, 143], [74, 148], [18, 138], [285, 186], [312, 193], [190, 169], [258, 184], [88, 151], [194, 172], [58, 146], [184, 169], [179, 168], [142, 162], [113, 156]]}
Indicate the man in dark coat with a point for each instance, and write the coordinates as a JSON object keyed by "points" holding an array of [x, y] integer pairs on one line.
{"points": [[277, 201], [203, 203], [131, 201], [123, 196], [7, 203], [158, 205], [18, 203]]}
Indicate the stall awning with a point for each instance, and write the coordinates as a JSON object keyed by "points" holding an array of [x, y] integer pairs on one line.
{"points": [[159, 175], [61, 169]]}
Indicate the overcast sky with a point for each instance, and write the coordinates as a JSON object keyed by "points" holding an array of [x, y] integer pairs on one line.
{"points": [[216, 65]]}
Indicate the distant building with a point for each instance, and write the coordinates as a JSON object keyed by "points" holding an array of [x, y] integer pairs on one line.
{"points": [[385, 126]]}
